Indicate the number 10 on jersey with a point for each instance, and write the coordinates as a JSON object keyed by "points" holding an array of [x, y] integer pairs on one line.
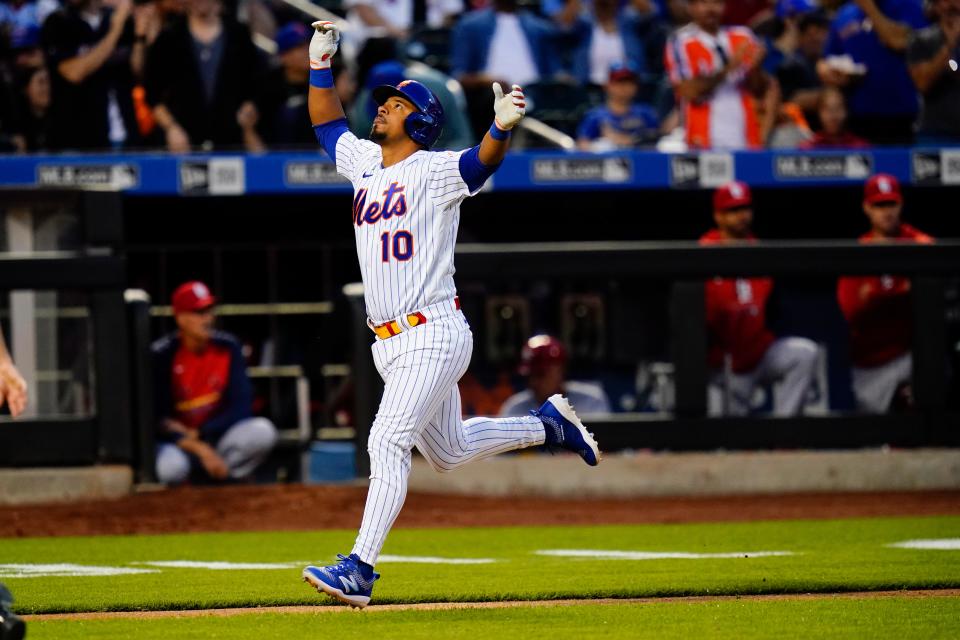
{"points": [[401, 245]]}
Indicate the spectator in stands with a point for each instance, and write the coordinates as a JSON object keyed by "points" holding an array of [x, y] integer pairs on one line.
{"points": [[716, 73], [157, 15], [282, 99], [25, 49], [878, 308], [200, 78], [89, 51], [502, 44], [797, 72], [25, 13], [398, 19], [783, 26], [544, 362], [605, 36], [865, 57], [933, 56], [32, 123], [13, 388], [203, 398], [620, 123], [832, 113], [742, 352]]}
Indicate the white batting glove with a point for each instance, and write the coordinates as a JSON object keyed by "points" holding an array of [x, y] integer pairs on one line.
{"points": [[509, 108], [323, 45]]}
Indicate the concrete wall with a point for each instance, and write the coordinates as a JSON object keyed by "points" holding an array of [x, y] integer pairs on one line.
{"points": [[41, 486], [698, 474]]}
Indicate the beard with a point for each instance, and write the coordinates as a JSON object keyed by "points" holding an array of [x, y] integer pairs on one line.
{"points": [[377, 136]]}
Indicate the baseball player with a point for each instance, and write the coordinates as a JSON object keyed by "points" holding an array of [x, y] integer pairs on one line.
{"points": [[737, 330], [406, 210], [543, 361], [877, 308]]}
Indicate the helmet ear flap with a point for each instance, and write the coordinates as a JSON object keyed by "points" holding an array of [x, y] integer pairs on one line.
{"points": [[422, 128]]}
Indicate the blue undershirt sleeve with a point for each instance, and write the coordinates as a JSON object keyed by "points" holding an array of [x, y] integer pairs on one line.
{"points": [[474, 172], [328, 133]]}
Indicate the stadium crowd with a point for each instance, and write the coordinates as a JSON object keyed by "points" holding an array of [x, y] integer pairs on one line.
{"points": [[202, 74]]}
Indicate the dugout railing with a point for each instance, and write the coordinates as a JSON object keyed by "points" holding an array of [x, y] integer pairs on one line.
{"points": [[687, 265]]}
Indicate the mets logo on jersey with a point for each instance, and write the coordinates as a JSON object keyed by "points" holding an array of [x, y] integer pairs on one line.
{"points": [[394, 203]]}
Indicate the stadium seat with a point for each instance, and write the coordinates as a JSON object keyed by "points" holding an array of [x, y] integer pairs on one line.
{"points": [[560, 104], [431, 47]]}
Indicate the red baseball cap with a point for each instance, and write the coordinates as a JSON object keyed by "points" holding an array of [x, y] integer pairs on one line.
{"points": [[882, 187], [192, 296], [620, 72], [733, 195], [540, 352]]}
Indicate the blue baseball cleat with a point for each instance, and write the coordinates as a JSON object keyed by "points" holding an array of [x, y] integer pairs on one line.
{"points": [[564, 429], [343, 581]]}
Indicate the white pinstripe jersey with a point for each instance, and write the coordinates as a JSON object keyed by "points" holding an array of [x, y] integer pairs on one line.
{"points": [[405, 218]]}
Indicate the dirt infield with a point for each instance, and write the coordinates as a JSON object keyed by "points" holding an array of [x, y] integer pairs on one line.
{"points": [[298, 507], [505, 604]]}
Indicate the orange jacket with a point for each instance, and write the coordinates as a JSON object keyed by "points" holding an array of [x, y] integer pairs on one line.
{"points": [[691, 53]]}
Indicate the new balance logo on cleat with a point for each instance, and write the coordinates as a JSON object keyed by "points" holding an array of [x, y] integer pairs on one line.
{"points": [[355, 589], [348, 584]]}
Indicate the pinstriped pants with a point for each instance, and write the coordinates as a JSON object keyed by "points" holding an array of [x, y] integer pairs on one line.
{"points": [[420, 407]]}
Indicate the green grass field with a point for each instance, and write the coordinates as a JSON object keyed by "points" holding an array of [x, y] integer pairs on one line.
{"points": [[818, 556]]}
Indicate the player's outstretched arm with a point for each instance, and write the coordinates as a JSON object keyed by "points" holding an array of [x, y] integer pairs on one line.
{"points": [[322, 100], [509, 109]]}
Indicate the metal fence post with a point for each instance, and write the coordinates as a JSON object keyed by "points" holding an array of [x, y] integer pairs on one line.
{"points": [[141, 368], [688, 347], [929, 344]]}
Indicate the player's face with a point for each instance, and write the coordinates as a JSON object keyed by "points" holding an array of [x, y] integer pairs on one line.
{"points": [[388, 124], [735, 223], [884, 217], [707, 14], [547, 380], [196, 325]]}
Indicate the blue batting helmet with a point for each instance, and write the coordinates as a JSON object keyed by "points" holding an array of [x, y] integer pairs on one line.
{"points": [[423, 126]]}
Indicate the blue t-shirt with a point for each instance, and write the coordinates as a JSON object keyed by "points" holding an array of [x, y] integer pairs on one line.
{"points": [[887, 89], [640, 122]]}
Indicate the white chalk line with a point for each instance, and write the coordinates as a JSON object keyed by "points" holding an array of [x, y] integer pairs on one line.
{"points": [[608, 554], [936, 544], [65, 570]]}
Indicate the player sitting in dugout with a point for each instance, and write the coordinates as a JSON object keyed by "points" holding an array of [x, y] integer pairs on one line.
{"points": [[878, 310], [543, 361], [742, 352], [203, 398]]}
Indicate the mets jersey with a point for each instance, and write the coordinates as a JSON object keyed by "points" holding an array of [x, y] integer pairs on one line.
{"points": [[405, 219]]}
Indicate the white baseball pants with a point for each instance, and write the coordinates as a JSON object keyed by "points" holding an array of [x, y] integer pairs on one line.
{"points": [[420, 407], [874, 387], [790, 361]]}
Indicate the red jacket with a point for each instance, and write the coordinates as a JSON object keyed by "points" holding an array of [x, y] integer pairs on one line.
{"points": [[878, 310], [736, 318]]}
